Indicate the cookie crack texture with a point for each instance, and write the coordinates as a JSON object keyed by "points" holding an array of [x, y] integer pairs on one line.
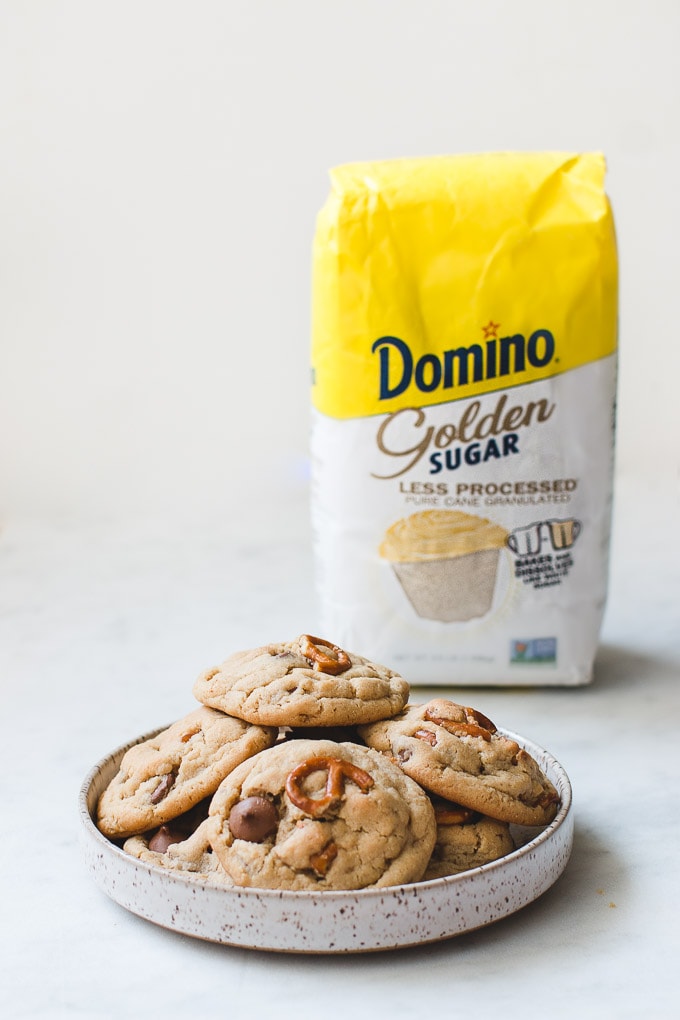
{"points": [[275, 685], [197, 752], [372, 825], [484, 770]]}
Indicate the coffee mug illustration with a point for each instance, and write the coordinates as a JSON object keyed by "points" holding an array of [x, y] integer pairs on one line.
{"points": [[563, 534], [529, 540]]}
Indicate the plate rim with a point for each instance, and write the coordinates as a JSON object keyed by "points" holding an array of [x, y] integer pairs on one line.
{"points": [[91, 835]]}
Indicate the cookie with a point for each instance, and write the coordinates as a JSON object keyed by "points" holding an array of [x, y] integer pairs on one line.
{"points": [[465, 840], [168, 774], [457, 753], [174, 850], [306, 682], [319, 815]]}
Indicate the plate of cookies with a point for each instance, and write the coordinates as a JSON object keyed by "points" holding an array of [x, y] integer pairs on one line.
{"points": [[308, 805]]}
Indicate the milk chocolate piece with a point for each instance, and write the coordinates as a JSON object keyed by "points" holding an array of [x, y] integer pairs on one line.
{"points": [[253, 819], [164, 838], [163, 788]]}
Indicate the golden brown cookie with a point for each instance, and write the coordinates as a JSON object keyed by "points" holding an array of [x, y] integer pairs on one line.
{"points": [[168, 774], [457, 753], [174, 850], [465, 839], [320, 815], [306, 682]]}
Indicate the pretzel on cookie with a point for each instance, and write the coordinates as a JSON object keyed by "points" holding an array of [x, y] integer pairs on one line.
{"points": [[475, 725], [338, 770], [334, 663]]}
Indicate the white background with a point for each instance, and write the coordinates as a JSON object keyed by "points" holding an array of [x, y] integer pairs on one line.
{"points": [[161, 167]]}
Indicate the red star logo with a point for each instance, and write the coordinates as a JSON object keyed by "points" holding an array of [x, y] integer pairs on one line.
{"points": [[491, 330]]}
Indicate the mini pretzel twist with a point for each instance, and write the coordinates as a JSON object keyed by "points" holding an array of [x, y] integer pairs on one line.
{"points": [[474, 715], [311, 648], [452, 814], [477, 724], [338, 770], [322, 861]]}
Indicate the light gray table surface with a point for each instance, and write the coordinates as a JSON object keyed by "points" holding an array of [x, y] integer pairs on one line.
{"points": [[103, 628]]}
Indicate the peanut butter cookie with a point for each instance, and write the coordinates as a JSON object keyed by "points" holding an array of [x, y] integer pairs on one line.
{"points": [[174, 850], [320, 815], [168, 774], [306, 682], [457, 753], [465, 839]]}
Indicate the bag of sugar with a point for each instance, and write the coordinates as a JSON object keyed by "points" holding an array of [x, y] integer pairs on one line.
{"points": [[464, 349]]}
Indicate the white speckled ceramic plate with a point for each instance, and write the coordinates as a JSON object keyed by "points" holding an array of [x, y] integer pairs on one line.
{"points": [[331, 922]]}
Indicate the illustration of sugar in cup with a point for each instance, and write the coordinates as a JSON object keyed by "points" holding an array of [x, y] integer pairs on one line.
{"points": [[446, 562], [563, 534], [527, 541]]}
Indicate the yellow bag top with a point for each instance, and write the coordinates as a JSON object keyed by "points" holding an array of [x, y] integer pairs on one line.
{"points": [[449, 277]]}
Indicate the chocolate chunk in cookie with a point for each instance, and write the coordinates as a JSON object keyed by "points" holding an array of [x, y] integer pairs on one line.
{"points": [[173, 850], [165, 776], [324, 815]]}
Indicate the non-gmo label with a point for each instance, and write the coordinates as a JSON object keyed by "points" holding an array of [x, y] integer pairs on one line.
{"points": [[534, 650]]}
